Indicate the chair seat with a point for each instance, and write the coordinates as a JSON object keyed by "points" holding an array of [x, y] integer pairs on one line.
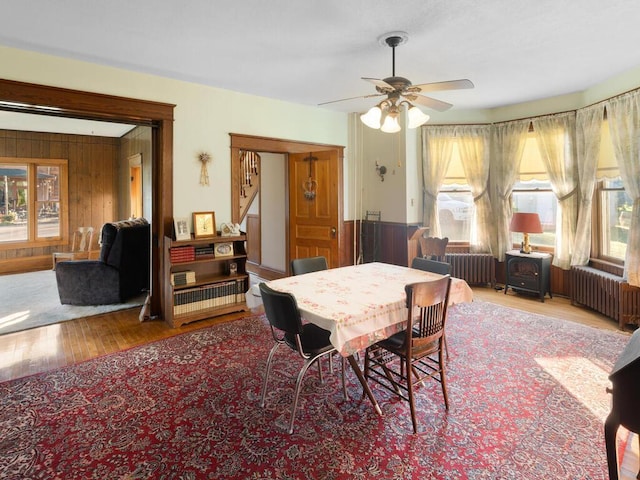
{"points": [[396, 344], [315, 340]]}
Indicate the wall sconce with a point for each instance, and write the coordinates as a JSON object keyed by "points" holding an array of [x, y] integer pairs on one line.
{"points": [[381, 170]]}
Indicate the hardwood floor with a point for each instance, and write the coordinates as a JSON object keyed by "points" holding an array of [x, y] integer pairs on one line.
{"points": [[54, 346]]}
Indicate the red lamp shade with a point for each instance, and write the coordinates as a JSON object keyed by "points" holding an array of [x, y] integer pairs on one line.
{"points": [[525, 223]]}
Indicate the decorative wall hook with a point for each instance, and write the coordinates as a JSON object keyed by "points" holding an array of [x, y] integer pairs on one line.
{"points": [[381, 169]]}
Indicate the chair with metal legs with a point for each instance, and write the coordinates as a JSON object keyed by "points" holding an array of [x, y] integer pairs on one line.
{"points": [[308, 340]]}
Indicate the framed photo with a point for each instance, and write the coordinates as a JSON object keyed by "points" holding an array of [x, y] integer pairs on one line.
{"points": [[181, 226], [204, 224], [224, 249]]}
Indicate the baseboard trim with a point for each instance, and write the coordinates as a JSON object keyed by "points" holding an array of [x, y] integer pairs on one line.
{"points": [[25, 264]]}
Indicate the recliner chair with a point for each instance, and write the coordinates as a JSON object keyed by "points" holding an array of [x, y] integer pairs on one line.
{"points": [[121, 272]]}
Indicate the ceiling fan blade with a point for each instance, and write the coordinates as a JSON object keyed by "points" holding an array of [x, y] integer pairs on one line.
{"points": [[353, 98], [379, 83], [438, 86], [432, 103]]}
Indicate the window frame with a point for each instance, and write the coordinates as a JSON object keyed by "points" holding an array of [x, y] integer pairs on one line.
{"points": [[538, 247], [32, 199], [597, 231]]}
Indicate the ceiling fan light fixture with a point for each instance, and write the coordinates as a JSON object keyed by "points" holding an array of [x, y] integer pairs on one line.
{"points": [[372, 118], [416, 117], [390, 124]]}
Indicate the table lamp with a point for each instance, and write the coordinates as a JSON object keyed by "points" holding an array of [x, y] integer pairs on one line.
{"points": [[525, 223]]}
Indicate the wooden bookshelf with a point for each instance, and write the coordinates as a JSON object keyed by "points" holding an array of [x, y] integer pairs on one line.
{"points": [[217, 290]]}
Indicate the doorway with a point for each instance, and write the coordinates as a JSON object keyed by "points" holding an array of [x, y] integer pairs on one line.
{"points": [[328, 177], [39, 99], [135, 185]]}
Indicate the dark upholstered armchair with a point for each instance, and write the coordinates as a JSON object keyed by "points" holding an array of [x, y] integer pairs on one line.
{"points": [[121, 272]]}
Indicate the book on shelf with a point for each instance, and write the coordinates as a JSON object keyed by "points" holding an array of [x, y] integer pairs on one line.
{"points": [[183, 278], [202, 252], [182, 254], [191, 300]]}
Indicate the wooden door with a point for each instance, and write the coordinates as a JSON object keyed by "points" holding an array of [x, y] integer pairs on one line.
{"points": [[314, 205]]}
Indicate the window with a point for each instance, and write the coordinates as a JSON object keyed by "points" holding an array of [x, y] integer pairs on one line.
{"points": [[615, 207], [32, 200], [612, 205], [456, 209], [536, 196], [532, 193]]}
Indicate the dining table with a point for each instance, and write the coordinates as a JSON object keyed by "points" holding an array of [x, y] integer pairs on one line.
{"points": [[358, 304]]}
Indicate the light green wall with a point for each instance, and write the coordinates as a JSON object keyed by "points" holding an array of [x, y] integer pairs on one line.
{"points": [[204, 117]]}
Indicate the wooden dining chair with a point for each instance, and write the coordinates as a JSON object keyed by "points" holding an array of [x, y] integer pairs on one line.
{"points": [[308, 265], [81, 243], [433, 248], [419, 347], [308, 340], [434, 266]]}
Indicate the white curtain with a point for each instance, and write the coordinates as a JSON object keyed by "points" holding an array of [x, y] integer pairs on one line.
{"points": [[474, 146], [623, 114], [588, 126], [556, 140], [508, 141], [437, 147]]}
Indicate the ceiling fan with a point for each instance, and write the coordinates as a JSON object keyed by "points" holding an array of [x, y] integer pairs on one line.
{"points": [[400, 91]]}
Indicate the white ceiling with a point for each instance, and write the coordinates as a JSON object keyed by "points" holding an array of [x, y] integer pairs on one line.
{"points": [[315, 51]]}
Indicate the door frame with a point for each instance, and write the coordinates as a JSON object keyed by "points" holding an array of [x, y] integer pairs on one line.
{"points": [[240, 142], [39, 99]]}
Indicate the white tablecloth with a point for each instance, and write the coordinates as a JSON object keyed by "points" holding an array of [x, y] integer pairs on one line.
{"points": [[358, 304]]}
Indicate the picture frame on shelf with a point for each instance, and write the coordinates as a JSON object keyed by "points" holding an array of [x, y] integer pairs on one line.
{"points": [[181, 228], [204, 224], [224, 249]]}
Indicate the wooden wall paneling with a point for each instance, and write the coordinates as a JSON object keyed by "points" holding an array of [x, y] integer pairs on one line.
{"points": [[253, 239], [346, 252], [95, 106], [92, 180]]}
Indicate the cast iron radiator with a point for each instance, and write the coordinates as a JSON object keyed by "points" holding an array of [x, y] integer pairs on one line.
{"points": [[606, 293], [474, 268]]}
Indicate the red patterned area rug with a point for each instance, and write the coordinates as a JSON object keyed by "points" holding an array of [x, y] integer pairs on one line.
{"points": [[527, 401]]}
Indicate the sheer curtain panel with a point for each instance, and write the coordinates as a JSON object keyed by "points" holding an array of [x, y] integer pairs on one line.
{"points": [[588, 125], [437, 148], [556, 140], [474, 146], [623, 113], [508, 143]]}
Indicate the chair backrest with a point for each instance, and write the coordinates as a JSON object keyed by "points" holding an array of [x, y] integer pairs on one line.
{"points": [[427, 303], [433, 247], [308, 265], [126, 246], [82, 239], [281, 309], [428, 265]]}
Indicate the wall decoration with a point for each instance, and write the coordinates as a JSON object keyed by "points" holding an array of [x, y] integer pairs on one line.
{"points": [[181, 228], [204, 158], [310, 185], [204, 224]]}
